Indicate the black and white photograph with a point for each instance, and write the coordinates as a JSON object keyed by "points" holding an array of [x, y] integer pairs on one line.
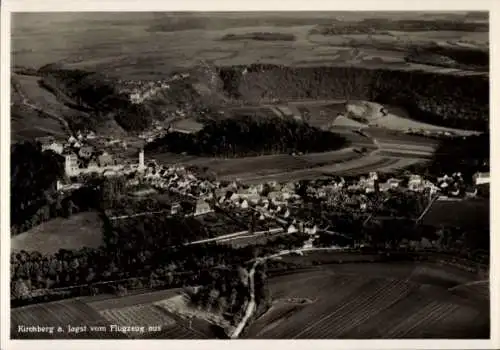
{"points": [[250, 175]]}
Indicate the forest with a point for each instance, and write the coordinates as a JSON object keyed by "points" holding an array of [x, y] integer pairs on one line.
{"points": [[458, 101], [248, 136]]}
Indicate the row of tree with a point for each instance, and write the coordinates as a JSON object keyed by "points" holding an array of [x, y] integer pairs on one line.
{"points": [[128, 265]]}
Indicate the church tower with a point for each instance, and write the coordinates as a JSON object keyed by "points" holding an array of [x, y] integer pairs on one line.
{"points": [[141, 160]]}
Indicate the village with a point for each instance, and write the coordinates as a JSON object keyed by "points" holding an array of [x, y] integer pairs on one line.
{"points": [[271, 204]]}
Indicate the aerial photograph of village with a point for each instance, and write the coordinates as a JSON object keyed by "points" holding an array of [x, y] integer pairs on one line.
{"points": [[250, 175]]}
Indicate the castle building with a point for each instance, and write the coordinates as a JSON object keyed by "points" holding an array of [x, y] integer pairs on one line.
{"points": [[71, 164]]}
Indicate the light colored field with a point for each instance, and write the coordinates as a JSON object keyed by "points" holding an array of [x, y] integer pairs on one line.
{"points": [[139, 315], [394, 122], [188, 125], [78, 231], [371, 112]]}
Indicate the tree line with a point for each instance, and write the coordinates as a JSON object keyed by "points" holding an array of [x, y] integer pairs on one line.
{"points": [[459, 101], [381, 25]]}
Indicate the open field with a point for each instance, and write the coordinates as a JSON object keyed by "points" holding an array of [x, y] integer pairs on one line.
{"points": [[373, 300], [30, 99], [78, 231], [348, 300], [27, 124], [122, 48]]}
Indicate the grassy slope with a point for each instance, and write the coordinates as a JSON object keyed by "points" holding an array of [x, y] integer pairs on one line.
{"points": [[80, 230]]}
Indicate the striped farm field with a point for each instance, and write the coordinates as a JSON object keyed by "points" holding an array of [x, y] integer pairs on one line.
{"points": [[58, 314], [370, 301], [138, 315]]}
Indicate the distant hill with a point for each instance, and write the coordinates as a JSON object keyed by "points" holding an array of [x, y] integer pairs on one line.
{"points": [[96, 92]]}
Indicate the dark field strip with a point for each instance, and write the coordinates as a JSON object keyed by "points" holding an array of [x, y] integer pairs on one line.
{"points": [[391, 137], [326, 158], [368, 167], [400, 154], [133, 300]]}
